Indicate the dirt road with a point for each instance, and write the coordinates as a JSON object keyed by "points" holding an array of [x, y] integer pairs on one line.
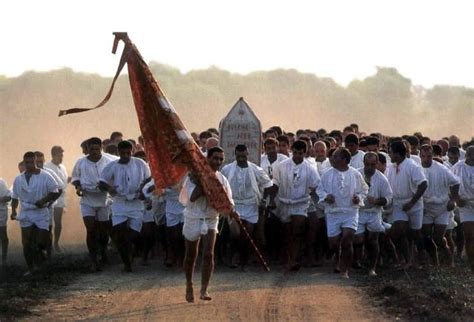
{"points": [[151, 293]]}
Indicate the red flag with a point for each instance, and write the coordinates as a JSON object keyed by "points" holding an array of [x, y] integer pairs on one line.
{"points": [[170, 149]]}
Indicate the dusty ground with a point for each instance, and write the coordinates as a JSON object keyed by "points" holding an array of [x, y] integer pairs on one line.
{"points": [[151, 293]]}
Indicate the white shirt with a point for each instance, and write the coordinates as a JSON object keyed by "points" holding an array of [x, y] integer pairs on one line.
{"points": [[60, 171], [199, 208], [39, 186], [4, 192], [466, 175], [343, 185], [440, 179], [270, 167], [295, 181], [404, 180], [378, 188], [416, 158], [357, 160], [128, 180], [88, 173], [173, 206], [247, 183], [449, 165], [323, 166]]}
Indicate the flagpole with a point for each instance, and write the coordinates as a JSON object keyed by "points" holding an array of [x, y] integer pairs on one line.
{"points": [[255, 248]]}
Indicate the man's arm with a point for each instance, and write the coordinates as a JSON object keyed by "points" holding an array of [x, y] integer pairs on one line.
{"points": [[50, 197], [14, 206], [420, 190]]}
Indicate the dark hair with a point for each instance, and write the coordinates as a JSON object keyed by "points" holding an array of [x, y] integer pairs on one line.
{"points": [[300, 131], [38, 154], [413, 140], [382, 158], [240, 148], [437, 149], [425, 138], [328, 144], [399, 148], [140, 154], [213, 131], [331, 152], [348, 128], [345, 154], [351, 138], [371, 140], [111, 149], [300, 145], [454, 150], [277, 129], [363, 143], [211, 151], [354, 126], [94, 140], [56, 149], [270, 141], [125, 145], [29, 155], [205, 135], [371, 154], [427, 147], [283, 138], [115, 134], [85, 143]]}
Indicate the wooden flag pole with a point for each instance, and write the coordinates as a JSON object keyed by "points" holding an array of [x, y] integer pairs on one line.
{"points": [[255, 248]]}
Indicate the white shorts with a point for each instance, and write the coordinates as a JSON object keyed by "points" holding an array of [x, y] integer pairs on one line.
{"points": [[285, 211], [29, 219], [100, 213], [193, 228], [370, 221], [435, 214], [336, 221], [134, 219], [3, 217], [414, 216], [174, 219], [248, 212], [466, 214]]}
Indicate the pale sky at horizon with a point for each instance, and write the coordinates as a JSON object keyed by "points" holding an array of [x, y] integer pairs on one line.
{"points": [[430, 42]]}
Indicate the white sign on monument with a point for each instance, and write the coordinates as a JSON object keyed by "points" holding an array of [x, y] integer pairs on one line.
{"points": [[241, 126]]}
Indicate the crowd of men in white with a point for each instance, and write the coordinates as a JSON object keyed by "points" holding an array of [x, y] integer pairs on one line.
{"points": [[355, 197]]}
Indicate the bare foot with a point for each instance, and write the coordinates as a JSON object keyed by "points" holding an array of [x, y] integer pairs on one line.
{"points": [[205, 296], [372, 273], [189, 294], [345, 275]]}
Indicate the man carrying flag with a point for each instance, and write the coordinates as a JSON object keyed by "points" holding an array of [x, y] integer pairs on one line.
{"points": [[201, 220]]}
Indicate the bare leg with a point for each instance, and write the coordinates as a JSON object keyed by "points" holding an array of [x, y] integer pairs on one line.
{"points": [[190, 255], [122, 243], [429, 244], [313, 222], [244, 244], [359, 240], [58, 225], [468, 228], [91, 239], [297, 230], [399, 236], [373, 251], [441, 242], [28, 246], [450, 241], [208, 242], [4, 240], [335, 246], [347, 251]]}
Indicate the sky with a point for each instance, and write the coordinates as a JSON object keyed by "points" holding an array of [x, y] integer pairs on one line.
{"points": [[430, 42]]}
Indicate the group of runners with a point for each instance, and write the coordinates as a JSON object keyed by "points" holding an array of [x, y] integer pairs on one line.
{"points": [[359, 200]]}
